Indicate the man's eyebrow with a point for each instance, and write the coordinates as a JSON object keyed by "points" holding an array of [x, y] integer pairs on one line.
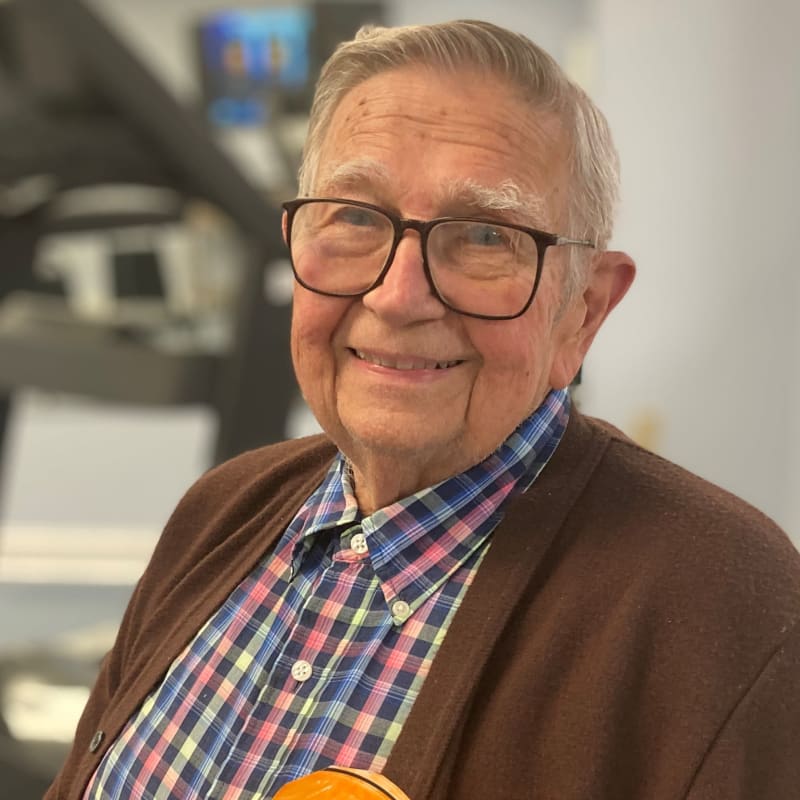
{"points": [[506, 197], [353, 174], [464, 193]]}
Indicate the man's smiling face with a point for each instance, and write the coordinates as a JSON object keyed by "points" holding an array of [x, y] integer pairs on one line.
{"points": [[398, 381]]}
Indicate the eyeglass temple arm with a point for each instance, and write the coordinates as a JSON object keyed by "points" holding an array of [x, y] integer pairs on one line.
{"points": [[581, 242]]}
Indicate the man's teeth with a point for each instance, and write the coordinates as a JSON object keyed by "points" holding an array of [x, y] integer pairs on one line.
{"points": [[404, 363]]}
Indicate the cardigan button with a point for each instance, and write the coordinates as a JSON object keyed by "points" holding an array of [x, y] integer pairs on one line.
{"points": [[97, 740]]}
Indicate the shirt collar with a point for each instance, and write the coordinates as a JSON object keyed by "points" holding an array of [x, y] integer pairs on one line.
{"points": [[416, 543]]}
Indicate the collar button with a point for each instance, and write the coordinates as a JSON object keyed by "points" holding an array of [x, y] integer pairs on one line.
{"points": [[401, 611], [358, 544]]}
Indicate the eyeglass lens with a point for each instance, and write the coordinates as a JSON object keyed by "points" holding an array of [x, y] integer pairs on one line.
{"points": [[477, 267]]}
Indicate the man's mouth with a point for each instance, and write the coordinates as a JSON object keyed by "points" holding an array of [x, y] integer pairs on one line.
{"points": [[402, 362]]}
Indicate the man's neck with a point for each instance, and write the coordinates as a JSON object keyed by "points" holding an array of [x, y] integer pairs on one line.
{"points": [[381, 479]]}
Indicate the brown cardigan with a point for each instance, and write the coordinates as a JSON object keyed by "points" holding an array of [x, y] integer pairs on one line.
{"points": [[632, 633]]}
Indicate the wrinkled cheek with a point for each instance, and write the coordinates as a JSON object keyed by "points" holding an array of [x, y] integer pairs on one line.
{"points": [[304, 353], [309, 326], [297, 350], [314, 367]]}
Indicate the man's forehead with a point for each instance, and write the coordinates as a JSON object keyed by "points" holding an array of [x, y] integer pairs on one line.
{"points": [[371, 175]]}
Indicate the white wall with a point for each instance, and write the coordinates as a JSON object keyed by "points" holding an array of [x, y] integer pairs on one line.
{"points": [[704, 99], [700, 359]]}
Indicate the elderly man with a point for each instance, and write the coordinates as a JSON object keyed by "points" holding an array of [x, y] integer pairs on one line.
{"points": [[464, 585]]}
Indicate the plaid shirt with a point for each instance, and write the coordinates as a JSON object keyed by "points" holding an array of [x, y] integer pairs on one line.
{"points": [[318, 655]]}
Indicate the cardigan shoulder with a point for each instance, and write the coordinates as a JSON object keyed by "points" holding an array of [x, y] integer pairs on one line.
{"points": [[689, 533], [234, 512], [261, 484]]}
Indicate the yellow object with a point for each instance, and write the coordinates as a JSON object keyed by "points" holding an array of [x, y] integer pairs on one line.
{"points": [[647, 429], [341, 783]]}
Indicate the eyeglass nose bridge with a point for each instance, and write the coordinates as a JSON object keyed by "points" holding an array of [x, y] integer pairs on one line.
{"points": [[400, 226]]}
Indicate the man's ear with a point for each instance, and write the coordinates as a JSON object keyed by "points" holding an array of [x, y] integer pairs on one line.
{"points": [[611, 274]]}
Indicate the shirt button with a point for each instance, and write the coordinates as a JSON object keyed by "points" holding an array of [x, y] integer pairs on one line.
{"points": [[358, 544], [401, 611], [97, 740], [301, 670]]}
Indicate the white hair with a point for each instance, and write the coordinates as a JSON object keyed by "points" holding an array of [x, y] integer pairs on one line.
{"points": [[499, 53]]}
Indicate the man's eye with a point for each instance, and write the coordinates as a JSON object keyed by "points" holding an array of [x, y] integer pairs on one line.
{"points": [[486, 236], [358, 217]]}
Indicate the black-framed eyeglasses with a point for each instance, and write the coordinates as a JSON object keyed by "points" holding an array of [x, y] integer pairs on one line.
{"points": [[477, 267]]}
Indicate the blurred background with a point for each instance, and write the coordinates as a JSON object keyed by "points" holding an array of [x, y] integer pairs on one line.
{"points": [[145, 295]]}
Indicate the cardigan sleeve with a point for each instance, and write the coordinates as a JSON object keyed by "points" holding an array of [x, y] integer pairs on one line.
{"points": [[757, 751]]}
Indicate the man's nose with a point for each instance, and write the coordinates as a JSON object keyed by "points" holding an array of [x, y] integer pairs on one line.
{"points": [[405, 294]]}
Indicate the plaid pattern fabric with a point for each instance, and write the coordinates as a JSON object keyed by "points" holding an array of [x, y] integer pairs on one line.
{"points": [[318, 655]]}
